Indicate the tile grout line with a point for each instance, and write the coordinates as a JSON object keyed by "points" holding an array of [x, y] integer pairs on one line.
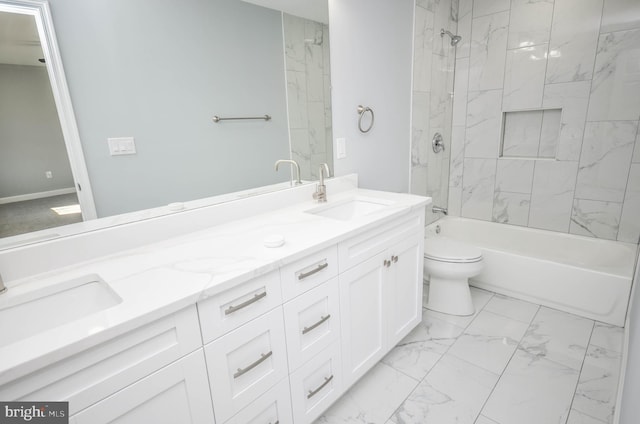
{"points": [[586, 351], [505, 368], [440, 358]]}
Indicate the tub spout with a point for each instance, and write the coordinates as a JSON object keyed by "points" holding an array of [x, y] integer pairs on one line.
{"points": [[442, 210]]}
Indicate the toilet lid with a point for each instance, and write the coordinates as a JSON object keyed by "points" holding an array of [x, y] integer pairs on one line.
{"points": [[449, 250]]}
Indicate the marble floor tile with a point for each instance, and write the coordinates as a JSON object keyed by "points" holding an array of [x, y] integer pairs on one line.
{"points": [[479, 298], [576, 417], [532, 390], [453, 392], [489, 341], [559, 337], [512, 308], [598, 385], [607, 336], [417, 353], [443, 371], [484, 420], [373, 399]]}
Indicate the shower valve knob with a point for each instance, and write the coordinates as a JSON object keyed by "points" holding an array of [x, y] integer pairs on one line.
{"points": [[437, 143]]}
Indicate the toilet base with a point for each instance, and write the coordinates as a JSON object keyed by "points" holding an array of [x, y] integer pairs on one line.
{"points": [[450, 296]]}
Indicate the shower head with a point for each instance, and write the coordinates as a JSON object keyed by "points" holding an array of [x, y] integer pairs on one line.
{"points": [[455, 39]]}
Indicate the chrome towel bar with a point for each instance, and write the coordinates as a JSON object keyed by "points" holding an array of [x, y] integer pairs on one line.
{"points": [[216, 118]]}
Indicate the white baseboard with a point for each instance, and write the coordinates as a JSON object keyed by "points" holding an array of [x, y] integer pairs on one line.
{"points": [[40, 195]]}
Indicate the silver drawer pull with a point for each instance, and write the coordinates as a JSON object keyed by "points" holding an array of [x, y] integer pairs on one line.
{"points": [[317, 269], [255, 298], [277, 422], [317, 324], [312, 393], [263, 358]]}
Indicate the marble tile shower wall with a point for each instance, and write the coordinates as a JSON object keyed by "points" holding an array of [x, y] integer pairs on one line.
{"points": [[581, 56], [308, 93], [432, 103]]}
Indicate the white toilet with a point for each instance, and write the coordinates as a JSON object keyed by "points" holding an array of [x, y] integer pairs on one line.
{"points": [[450, 264]]}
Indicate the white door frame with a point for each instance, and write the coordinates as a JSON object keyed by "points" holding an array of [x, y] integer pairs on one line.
{"points": [[39, 9]]}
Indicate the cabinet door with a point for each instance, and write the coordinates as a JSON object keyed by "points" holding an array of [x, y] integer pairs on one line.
{"points": [[246, 363], [178, 393], [97, 372], [312, 322], [316, 385], [404, 284], [362, 293]]}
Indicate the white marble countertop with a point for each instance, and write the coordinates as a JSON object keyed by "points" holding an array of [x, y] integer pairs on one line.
{"points": [[160, 278]]}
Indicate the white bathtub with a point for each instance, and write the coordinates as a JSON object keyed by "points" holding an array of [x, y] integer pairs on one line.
{"points": [[581, 275]]}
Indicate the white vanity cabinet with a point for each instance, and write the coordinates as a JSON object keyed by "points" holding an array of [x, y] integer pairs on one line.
{"points": [[246, 363], [91, 376], [272, 407], [316, 385], [238, 305], [312, 323], [177, 393], [381, 292], [278, 348]]}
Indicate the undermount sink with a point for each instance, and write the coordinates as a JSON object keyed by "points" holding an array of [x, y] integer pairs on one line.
{"points": [[350, 209], [32, 313]]}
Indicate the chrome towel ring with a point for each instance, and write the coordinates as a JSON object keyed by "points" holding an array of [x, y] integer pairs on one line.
{"points": [[361, 111]]}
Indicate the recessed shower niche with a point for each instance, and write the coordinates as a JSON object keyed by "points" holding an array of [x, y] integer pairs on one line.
{"points": [[531, 133]]}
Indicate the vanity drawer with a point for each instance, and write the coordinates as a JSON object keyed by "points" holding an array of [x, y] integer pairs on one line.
{"points": [[234, 307], [308, 272], [316, 385], [364, 246], [312, 322], [246, 363], [272, 407], [92, 375]]}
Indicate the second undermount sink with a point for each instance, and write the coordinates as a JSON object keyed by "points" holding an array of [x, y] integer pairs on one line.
{"points": [[347, 210], [32, 313]]}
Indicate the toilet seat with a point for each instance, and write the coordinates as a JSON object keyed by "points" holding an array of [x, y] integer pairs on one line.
{"points": [[444, 249]]}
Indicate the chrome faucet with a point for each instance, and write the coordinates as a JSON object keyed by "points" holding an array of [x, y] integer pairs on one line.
{"points": [[295, 165], [3, 288], [321, 191], [437, 209]]}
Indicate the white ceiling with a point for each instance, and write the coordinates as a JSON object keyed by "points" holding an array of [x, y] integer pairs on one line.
{"points": [[316, 10], [19, 41]]}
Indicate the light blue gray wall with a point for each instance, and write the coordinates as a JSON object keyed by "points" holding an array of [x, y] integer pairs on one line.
{"points": [[31, 141], [371, 60], [158, 70]]}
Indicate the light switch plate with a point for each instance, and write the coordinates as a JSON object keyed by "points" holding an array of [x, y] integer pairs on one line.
{"points": [[121, 146]]}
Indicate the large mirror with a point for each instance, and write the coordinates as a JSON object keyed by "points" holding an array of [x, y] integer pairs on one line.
{"points": [[145, 79]]}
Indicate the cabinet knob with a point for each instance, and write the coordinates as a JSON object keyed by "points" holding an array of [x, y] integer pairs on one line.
{"points": [[394, 259], [387, 263]]}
